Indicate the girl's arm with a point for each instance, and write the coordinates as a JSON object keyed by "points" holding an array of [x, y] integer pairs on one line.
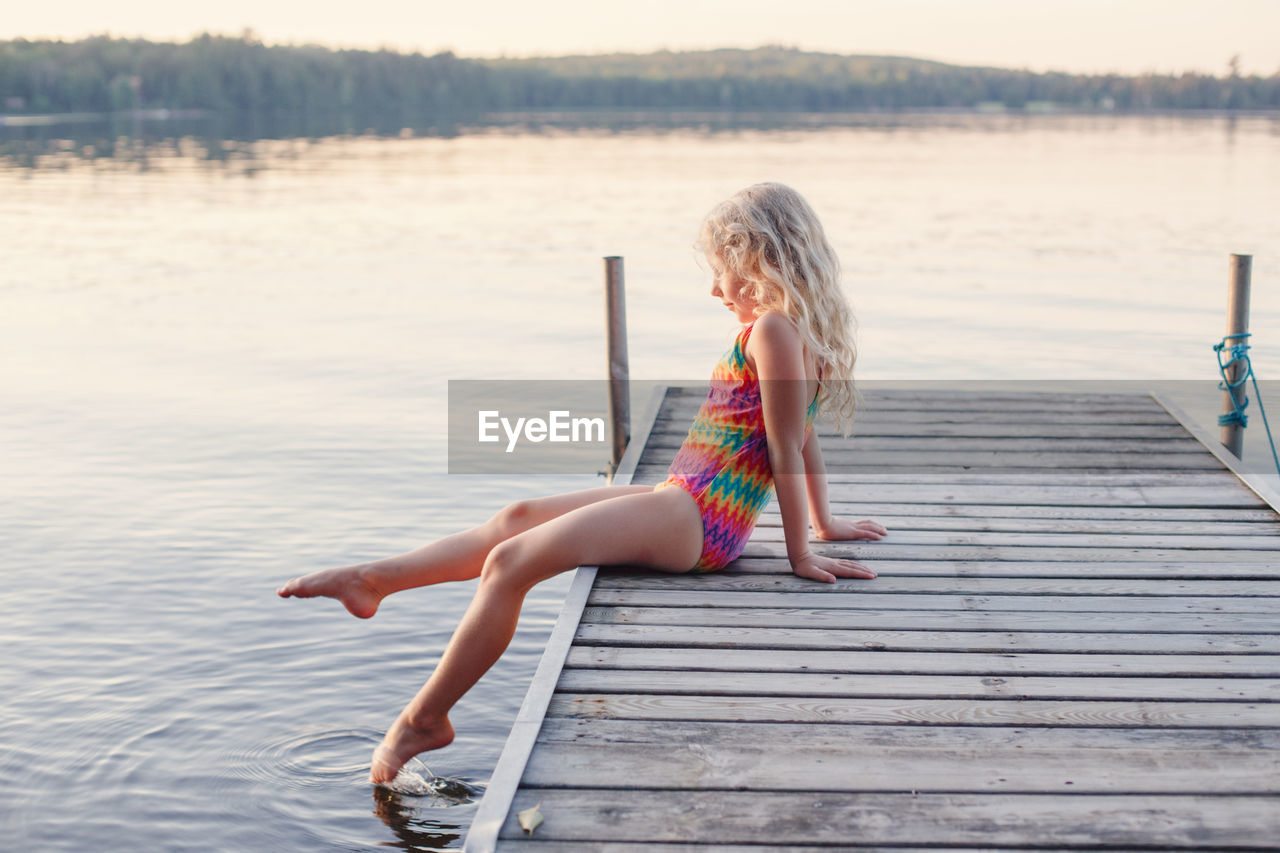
{"points": [[778, 353], [826, 526], [815, 478]]}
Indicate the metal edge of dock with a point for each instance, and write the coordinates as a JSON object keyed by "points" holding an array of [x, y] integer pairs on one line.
{"points": [[482, 836]]}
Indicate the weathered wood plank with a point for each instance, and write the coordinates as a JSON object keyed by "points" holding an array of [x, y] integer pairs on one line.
{"points": [[950, 663], [695, 755], [688, 402], [1025, 394], [1046, 495], [996, 513], [866, 736], [952, 712], [1267, 541], [856, 595], [1221, 532], [873, 444], [886, 426], [530, 844], [1044, 458], [685, 410], [979, 477], [833, 639], [655, 471], [729, 817], [937, 620], [885, 549], [1102, 495], [886, 460], [1133, 569], [785, 581], [897, 686], [1012, 392]]}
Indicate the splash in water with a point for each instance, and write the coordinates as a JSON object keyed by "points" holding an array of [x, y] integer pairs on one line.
{"points": [[415, 779]]}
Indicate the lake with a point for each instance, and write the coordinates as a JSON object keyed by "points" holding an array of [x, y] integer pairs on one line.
{"points": [[225, 363]]}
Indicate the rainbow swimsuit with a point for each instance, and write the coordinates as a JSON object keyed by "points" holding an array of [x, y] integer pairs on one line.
{"points": [[724, 461]]}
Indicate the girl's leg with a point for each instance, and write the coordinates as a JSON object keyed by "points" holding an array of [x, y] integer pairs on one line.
{"points": [[460, 556], [661, 530]]}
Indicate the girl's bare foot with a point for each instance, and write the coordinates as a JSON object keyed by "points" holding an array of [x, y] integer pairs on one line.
{"points": [[403, 741], [347, 584]]}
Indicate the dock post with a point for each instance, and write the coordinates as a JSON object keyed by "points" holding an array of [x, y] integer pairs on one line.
{"points": [[615, 304], [1232, 435]]}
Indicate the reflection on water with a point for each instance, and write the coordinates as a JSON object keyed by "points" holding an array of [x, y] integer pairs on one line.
{"points": [[145, 141], [327, 761], [247, 143], [415, 828]]}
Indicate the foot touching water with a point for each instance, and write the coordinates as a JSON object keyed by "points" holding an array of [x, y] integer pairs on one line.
{"points": [[403, 741]]}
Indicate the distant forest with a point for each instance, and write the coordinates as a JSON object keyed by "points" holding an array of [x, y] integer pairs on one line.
{"points": [[242, 75]]}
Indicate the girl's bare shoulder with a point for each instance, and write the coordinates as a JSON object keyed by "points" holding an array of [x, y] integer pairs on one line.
{"points": [[775, 343], [775, 327]]}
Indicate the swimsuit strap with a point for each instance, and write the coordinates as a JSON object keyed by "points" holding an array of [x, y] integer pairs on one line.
{"points": [[741, 344]]}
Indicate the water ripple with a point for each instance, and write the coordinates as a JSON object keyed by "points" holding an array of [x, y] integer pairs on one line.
{"points": [[311, 759], [324, 758]]}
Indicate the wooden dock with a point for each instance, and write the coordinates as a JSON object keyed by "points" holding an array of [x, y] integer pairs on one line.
{"points": [[1074, 642]]}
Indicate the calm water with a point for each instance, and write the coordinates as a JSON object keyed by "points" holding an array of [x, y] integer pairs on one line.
{"points": [[218, 374]]}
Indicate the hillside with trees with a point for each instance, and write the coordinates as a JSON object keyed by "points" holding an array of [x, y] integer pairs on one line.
{"points": [[244, 76]]}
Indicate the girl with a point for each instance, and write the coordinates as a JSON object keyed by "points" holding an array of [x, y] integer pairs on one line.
{"points": [[777, 274]]}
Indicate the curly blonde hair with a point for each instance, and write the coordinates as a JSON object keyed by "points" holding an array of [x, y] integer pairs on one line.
{"points": [[771, 239]]}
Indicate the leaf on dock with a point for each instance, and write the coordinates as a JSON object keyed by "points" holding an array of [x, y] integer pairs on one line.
{"points": [[530, 818]]}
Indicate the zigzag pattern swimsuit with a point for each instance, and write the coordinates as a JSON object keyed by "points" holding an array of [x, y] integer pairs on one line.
{"points": [[724, 461]]}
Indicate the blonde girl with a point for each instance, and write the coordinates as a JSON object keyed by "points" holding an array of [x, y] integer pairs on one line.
{"points": [[777, 274]]}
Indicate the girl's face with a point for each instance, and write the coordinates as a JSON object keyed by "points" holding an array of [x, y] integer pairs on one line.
{"points": [[728, 288]]}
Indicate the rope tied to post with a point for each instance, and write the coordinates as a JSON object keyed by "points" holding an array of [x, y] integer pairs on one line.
{"points": [[1239, 355]]}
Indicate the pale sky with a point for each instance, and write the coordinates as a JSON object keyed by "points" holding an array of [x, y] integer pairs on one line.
{"points": [[1127, 36]]}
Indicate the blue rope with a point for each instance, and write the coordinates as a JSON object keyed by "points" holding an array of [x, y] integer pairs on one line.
{"points": [[1240, 353]]}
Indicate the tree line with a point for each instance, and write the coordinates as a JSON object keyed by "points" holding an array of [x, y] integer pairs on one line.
{"points": [[244, 76]]}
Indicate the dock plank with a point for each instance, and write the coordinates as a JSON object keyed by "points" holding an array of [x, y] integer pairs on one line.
{"points": [[890, 584], [847, 639], [1074, 621], [832, 818], [1019, 494], [836, 596], [899, 711], [888, 550], [750, 661], [1183, 569], [1263, 541], [916, 686], [695, 755]]}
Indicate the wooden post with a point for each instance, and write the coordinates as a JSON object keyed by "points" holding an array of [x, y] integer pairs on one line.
{"points": [[615, 305], [1232, 435]]}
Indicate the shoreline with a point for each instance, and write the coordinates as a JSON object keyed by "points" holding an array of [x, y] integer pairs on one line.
{"points": [[784, 117]]}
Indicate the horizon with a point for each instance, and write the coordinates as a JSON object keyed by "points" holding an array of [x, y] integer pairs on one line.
{"points": [[1129, 37]]}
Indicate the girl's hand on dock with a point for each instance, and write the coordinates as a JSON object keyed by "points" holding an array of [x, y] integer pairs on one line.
{"points": [[844, 528], [827, 569]]}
